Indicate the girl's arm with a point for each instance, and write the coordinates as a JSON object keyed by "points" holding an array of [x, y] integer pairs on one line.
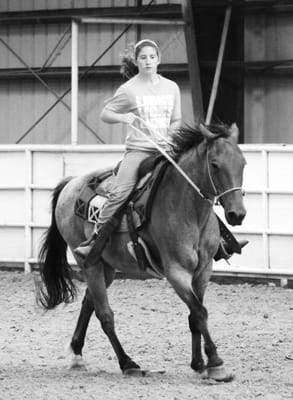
{"points": [[176, 115], [112, 117]]}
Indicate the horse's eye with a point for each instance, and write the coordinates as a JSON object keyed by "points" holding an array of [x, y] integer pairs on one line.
{"points": [[215, 165]]}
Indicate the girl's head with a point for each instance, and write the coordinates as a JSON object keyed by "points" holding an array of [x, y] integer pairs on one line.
{"points": [[145, 43], [143, 57]]}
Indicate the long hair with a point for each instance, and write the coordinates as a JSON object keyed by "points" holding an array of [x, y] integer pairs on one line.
{"points": [[128, 66]]}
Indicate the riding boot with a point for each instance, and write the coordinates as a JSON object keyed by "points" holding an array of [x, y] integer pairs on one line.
{"points": [[225, 252], [85, 247]]}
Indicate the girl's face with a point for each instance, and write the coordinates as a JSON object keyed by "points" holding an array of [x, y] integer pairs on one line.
{"points": [[147, 60]]}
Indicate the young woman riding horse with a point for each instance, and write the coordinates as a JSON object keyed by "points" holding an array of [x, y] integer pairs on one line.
{"points": [[182, 235], [151, 97], [145, 99]]}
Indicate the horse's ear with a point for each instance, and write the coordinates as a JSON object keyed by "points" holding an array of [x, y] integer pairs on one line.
{"points": [[208, 135], [234, 131]]}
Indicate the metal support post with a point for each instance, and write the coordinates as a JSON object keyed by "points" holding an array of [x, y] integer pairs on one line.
{"points": [[74, 82]]}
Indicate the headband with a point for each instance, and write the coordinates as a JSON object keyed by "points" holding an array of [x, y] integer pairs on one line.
{"points": [[147, 41]]}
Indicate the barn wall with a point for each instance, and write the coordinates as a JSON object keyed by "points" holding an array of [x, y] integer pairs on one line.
{"points": [[21, 5], [24, 101], [269, 90], [34, 44]]}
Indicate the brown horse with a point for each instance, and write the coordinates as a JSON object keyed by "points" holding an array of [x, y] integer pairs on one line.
{"points": [[182, 235]]}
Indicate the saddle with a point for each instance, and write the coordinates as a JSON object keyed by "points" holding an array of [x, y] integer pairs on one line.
{"points": [[134, 212], [88, 192]]}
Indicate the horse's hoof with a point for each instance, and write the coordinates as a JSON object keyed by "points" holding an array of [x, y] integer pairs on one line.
{"points": [[134, 372], [78, 363], [198, 366], [219, 374]]}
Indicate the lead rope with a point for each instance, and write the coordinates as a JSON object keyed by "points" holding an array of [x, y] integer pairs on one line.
{"points": [[155, 133]]}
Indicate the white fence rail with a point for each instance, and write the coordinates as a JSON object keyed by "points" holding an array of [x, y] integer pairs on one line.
{"points": [[30, 172]]}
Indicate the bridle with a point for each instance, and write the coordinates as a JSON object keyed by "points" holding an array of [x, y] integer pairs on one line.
{"points": [[217, 194]]}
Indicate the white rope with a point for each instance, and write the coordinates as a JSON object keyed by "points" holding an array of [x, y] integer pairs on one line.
{"points": [[166, 155], [155, 133]]}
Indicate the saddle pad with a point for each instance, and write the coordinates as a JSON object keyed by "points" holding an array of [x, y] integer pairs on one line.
{"points": [[95, 206]]}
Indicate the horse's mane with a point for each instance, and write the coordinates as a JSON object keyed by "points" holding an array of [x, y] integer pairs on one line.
{"points": [[187, 137]]}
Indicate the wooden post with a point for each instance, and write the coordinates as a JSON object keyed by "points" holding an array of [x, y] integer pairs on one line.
{"points": [[192, 57], [219, 66]]}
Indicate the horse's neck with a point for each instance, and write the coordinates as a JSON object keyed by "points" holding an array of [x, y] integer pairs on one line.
{"points": [[194, 163], [180, 190]]}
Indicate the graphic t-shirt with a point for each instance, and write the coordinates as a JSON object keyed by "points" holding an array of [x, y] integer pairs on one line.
{"points": [[158, 104]]}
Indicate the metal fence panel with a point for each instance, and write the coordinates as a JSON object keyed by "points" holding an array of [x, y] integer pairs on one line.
{"points": [[31, 173]]}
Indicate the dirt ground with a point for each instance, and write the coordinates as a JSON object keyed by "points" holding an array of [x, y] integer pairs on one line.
{"points": [[252, 326]]}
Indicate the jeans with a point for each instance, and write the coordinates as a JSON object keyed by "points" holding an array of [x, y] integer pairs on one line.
{"points": [[124, 183]]}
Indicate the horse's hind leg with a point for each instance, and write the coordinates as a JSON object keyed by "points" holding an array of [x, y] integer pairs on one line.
{"points": [[77, 341], [97, 288]]}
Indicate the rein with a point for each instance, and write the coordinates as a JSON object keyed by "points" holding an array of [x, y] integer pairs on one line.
{"points": [[179, 169]]}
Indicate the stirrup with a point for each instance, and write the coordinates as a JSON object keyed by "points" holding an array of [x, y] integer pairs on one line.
{"points": [[224, 251]]}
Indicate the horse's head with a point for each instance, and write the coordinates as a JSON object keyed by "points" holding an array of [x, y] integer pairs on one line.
{"points": [[225, 163]]}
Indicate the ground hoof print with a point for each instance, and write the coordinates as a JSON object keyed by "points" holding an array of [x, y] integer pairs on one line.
{"points": [[78, 363], [219, 374], [143, 372], [134, 372]]}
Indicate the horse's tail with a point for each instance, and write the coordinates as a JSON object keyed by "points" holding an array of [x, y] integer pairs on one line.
{"points": [[55, 271]]}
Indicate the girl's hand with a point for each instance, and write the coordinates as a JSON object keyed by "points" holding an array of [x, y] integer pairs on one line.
{"points": [[128, 118]]}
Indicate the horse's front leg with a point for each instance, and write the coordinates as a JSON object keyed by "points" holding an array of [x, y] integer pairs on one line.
{"points": [[197, 361], [198, 323], [191, 291], [97, 287]]}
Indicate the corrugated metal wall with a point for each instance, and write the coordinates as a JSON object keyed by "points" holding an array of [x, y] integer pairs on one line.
{"points": [[24, 101], [34, 44], [21, 5], [22, 104], [268, 93]]}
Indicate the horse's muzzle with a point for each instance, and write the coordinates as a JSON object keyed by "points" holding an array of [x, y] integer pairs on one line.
{"points": [[235, 217]]}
